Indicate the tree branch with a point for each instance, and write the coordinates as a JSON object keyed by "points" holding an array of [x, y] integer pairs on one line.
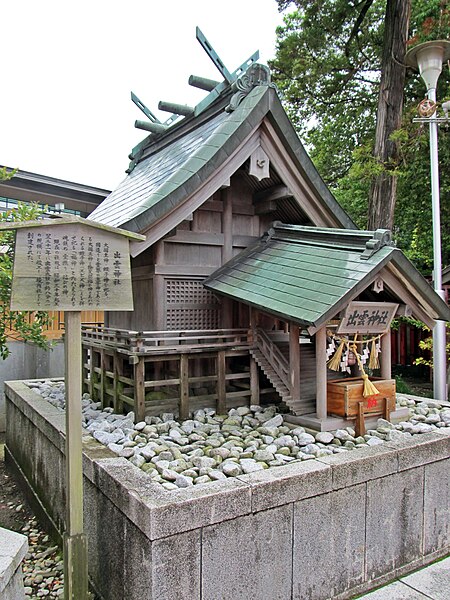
{"points": [[355, 30]]}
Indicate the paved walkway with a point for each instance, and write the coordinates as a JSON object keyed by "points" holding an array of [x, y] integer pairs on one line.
{"points": [[431, 582]]}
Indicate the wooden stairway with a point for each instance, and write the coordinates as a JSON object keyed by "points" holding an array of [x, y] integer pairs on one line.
{"points": [[271, 374], [273, 361]]}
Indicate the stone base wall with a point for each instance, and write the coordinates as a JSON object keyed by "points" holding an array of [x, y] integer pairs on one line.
{"points": [[326, 528], [13, 547], [27, 361]]}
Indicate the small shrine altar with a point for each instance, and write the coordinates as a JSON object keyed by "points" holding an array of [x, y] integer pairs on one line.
{"points": [[354, 349], [334, 293]]}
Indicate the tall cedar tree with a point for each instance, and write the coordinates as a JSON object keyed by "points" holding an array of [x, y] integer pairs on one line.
{"points": [[383, 192], [328, 68]]}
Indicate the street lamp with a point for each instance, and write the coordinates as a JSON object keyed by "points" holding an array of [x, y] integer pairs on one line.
{"points": [[428, 57]]}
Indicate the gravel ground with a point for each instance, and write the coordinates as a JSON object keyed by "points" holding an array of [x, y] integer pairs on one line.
{"points": [[43, 565]]}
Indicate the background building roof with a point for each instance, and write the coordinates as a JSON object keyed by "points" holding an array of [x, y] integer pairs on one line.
{"points": [[32, 187]]}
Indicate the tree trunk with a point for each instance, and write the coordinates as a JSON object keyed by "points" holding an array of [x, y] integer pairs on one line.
{"points": [[389, 113]]}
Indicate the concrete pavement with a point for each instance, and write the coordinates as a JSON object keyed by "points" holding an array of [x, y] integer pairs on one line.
{"points": [[431, 582]]}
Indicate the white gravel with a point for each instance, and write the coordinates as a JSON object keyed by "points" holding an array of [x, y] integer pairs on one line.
{"points": [[207, 447]]}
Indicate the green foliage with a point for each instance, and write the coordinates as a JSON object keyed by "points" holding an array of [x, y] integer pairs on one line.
{"points": [[430, 20], [17, 324], [6, 174], [327, 83], [401, 386], [427, 344], [327, 68]]}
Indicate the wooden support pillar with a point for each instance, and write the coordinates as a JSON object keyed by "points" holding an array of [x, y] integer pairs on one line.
{"points": [[84, 369], [93, 374], [75, 544], [386, 409], [184, 386], [221, 384], [227, 251], [294, 361], [227, 225], [118, 386], [158, 303], [139, 389], [102, 377], [386, 356], [360, 425], [254, 315], [321, 373], [254, 381], [159, 298]]}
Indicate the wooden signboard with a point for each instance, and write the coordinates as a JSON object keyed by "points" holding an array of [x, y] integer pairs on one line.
{"points": [[71, 267], [367, 317], [72, 264]]}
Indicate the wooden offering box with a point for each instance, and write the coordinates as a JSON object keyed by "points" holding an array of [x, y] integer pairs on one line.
{"points": [[344, 396]]}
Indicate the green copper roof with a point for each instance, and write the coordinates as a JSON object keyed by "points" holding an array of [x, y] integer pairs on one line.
{"points": [[178, 162], [308, 274]]}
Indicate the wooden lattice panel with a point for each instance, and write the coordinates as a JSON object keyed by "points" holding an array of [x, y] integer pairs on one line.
{"points": [[190, 306]]}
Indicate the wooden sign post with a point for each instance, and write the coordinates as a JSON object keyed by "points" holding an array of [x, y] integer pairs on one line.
{"points": [[72, 264]]}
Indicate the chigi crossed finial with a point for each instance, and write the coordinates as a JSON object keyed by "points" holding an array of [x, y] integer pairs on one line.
{"points": [[215, 88]]}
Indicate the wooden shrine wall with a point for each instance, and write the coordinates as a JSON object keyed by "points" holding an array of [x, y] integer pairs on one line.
{"points": [[167, 278]]}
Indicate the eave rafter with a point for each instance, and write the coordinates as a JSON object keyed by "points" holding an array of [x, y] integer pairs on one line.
{"points": [[288, 171]]}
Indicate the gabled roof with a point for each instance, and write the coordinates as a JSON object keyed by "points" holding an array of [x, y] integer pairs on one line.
{"points": [[308, 274], [175, 171]]}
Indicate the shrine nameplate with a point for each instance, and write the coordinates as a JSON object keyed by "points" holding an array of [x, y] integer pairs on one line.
{"points": [[367, 317], [71, 267]]}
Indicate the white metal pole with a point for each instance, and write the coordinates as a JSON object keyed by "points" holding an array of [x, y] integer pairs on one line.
{"points": [[439, 334]]}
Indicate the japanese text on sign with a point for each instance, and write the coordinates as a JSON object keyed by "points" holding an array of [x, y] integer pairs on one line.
{"points": [[67, 269], [367, 317]]}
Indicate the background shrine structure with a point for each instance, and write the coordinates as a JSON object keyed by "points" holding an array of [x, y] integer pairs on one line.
{"points": [[205, 187]]}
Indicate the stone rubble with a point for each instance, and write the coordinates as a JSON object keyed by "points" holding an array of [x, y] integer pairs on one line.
{"points": [[43, 564], [209, 447]]}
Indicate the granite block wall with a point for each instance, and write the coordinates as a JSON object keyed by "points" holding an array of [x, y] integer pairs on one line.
{"points": [[328, 528]]}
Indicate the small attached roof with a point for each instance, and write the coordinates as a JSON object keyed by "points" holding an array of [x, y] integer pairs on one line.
{"points": [[63, 219], [309, 274]]}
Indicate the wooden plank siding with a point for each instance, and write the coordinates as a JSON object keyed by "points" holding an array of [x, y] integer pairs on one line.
{"points": [[167, 277], [56, 330]]}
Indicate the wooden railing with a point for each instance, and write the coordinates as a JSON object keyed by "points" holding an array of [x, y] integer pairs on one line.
{"points": [[151, 372], [273, 355], [163, 342]]}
